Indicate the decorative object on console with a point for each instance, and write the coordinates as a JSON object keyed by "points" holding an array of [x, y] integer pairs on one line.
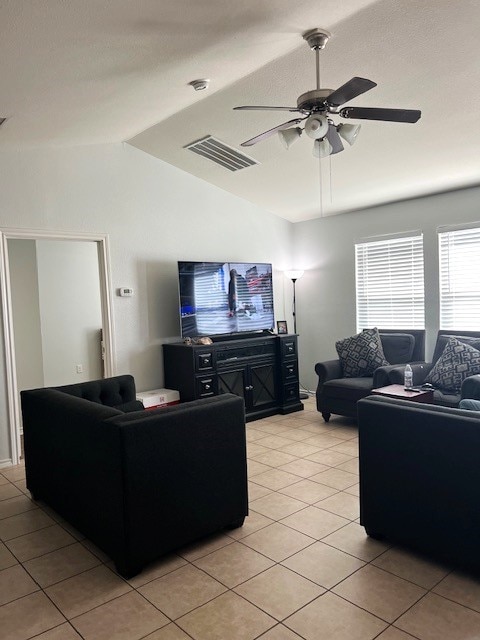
{"points": [[457, 362], [361, 354], [282, 326]]}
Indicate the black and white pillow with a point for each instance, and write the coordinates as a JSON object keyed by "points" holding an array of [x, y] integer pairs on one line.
{"points": [[361, 354], [457, 362]]}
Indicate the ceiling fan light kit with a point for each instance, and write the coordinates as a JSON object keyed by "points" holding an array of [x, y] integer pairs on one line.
{"points": [[315, 106], [289, 136]]}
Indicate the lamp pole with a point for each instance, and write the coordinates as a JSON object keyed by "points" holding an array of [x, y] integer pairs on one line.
{"points": [[294, 312], [294, 275]]}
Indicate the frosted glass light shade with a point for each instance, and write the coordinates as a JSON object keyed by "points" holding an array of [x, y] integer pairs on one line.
{"points": [[294, 274], [349, 132], [316, 126], [322, 148], [289, 136]]}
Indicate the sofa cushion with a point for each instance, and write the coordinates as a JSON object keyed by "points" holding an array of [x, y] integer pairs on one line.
{"points": [[442, 341], [397, 347], [458, 361], [361, 354], [349, 388]]}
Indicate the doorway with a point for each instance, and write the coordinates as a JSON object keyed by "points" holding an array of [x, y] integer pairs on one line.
{"points": [[40, 256]]}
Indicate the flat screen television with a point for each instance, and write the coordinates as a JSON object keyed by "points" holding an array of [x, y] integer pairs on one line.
{"points": [[218, 298]]}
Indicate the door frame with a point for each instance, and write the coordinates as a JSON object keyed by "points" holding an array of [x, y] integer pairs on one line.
{"points": [[7, 314]]}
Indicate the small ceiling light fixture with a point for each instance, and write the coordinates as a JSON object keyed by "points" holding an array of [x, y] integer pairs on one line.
{"points": [[289, 136], [200, 85], [349, 132], [322, 148]]}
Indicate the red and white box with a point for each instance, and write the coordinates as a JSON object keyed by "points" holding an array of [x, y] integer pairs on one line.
{"points": [[158, 398]]}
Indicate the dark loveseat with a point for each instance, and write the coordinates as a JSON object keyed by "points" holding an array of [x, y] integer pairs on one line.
{"points": [[137, 484], [470, 386], [420, 477], [337, 394]]}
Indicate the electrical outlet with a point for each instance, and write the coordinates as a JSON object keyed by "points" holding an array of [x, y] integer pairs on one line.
{"points": [[79, 368]]}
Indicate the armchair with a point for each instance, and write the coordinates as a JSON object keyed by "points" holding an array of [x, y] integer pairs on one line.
{"points": [[470, 386], [338, 394], [137, 484], [420, 477]]}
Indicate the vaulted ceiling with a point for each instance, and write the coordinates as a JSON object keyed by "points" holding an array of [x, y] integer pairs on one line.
{"points": [[83, 72]]}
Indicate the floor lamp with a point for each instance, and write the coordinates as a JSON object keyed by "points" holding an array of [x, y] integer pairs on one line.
{"points": [[294, 275]]}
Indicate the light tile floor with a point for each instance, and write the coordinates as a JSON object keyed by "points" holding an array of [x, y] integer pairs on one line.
{"points": [[300, 567]]}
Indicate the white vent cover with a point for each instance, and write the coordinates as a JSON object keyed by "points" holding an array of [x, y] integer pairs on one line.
{"points": [[219, 152]]}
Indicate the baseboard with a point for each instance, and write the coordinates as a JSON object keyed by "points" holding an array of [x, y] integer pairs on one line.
{"points": [[6, 463]]}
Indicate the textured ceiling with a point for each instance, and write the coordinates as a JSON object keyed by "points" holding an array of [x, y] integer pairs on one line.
{"points": [[89, 72]]}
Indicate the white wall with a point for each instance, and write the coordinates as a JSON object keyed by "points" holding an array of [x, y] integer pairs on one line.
{"points": [[155, 215], [26, 313], [325, 249], [70, 310]]}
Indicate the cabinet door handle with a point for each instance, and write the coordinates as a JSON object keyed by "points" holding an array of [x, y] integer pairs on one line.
{"points": [[249, 388]]}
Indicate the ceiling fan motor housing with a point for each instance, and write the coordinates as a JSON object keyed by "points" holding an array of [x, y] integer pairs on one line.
{"points": [[314, 100]]}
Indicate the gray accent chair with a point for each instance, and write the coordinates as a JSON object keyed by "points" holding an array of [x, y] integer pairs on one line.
{"points": [[339, 395], [420, 477]]}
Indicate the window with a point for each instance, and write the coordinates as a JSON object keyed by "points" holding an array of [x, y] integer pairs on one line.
{"points": [[460, 279], [390, 290]]}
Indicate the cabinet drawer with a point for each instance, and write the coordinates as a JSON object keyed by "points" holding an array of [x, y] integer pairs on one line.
{"points": [[290, 370], [291, 392], [289, 348], [204, 361], [206, 386]]}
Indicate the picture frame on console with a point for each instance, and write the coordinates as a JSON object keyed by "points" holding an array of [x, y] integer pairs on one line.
{"points": [[282, 327]]}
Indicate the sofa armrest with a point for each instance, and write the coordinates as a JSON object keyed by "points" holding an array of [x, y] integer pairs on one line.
{"points": [[329, 370], [471, 388], [420, 371]]}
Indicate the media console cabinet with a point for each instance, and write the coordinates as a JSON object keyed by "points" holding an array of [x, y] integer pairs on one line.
{"points": [[262, 370]]}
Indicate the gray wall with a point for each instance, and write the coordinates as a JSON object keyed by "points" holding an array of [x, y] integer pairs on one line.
{"points": [[26, 313], [325, 249], [70, 310], [154, 215]]}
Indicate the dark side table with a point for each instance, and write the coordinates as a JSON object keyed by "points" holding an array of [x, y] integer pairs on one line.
{"points": [[399, 392]]}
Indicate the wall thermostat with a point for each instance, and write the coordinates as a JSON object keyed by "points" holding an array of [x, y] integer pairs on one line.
{"points": [[125, 292]]}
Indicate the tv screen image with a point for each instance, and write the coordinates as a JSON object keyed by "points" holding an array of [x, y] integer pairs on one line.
{"points": [[218, 298]]}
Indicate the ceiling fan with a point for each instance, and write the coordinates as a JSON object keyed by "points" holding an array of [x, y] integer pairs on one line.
{"points": [[315, 107]]}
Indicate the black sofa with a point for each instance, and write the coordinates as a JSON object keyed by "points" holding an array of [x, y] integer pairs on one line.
{"points": [[420, 477], [137, 484], [339, 395], [471, 385]]}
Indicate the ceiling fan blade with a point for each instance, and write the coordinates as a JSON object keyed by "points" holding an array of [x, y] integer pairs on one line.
{"points": [[251, 108], [351, 89], [270, 132], [390, 115], [334, 139]]}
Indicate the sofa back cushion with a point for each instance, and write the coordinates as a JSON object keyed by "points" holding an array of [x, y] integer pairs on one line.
{"points": [[468, 337], [361, 354], [397, 347], [118, 392]]}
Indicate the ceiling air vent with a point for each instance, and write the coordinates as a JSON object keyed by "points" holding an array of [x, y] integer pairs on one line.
{"points": [[219, 152]]}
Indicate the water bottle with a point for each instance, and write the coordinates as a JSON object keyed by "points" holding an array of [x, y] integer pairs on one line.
{"points": [[408, 378]]}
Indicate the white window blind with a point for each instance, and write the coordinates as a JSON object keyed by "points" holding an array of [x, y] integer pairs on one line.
{"points": [[460, 279], [390, 289]]}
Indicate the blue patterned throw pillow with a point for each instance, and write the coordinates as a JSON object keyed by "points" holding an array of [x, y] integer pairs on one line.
{"points": [[361, 354], [457, 362]]}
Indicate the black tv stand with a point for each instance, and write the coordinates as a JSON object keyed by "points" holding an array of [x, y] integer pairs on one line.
{"points": [[262, 369]]}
